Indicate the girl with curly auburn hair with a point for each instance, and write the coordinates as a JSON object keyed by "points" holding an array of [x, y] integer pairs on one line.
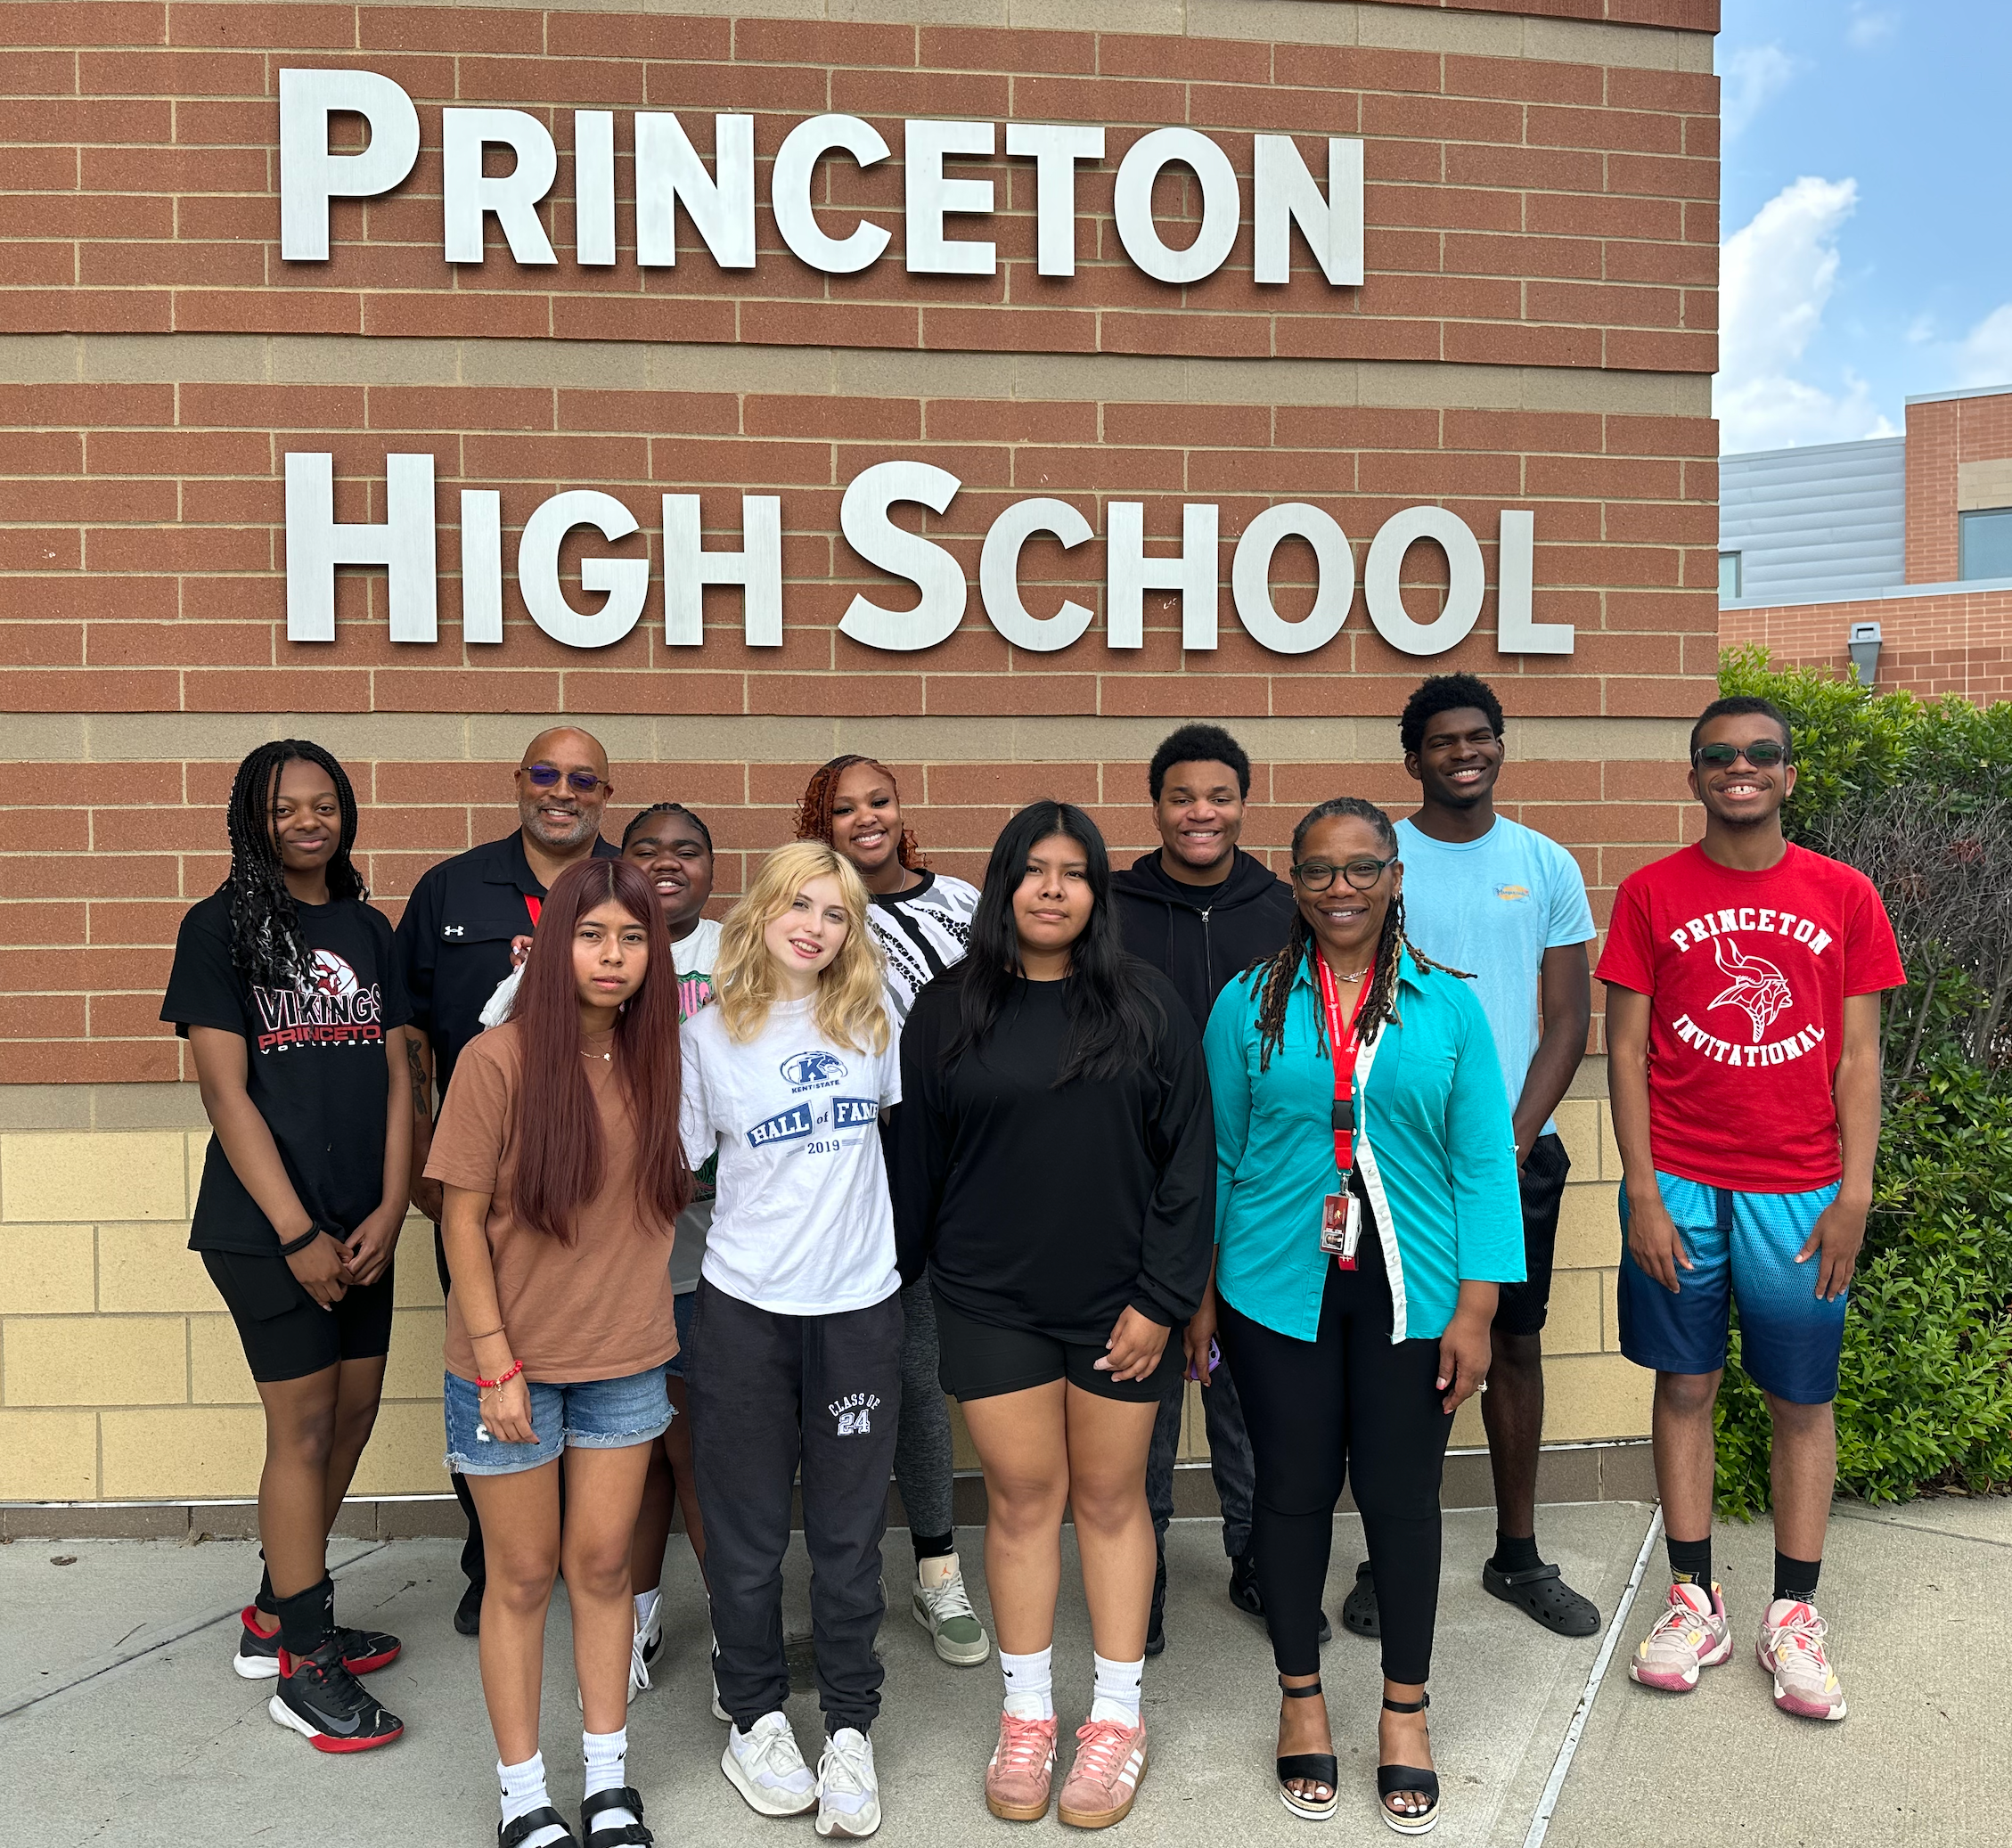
{"points": [[922, 922], [564, 1176], [798, 1319]]}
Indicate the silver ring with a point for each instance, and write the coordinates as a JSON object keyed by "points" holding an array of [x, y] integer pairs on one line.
{"points": [[1482, 1386]]}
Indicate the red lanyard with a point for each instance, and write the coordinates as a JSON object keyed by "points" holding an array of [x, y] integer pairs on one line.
{"points": [[1342, 1045], [534, 905]]}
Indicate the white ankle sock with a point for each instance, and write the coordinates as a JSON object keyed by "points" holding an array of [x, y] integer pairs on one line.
{"points": [[1117, 1690], [646, 1602], [1030, 1684], [523, 1791], [605, 1754]]}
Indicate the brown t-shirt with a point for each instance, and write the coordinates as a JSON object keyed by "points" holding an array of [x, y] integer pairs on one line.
{"points": [[598, 1309]]}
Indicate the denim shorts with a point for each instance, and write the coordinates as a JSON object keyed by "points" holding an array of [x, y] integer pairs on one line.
{"points": [[680, 1316], [597, 1414]]}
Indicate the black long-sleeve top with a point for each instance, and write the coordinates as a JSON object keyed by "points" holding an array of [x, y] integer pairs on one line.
{"points": [[1054, 1209]]}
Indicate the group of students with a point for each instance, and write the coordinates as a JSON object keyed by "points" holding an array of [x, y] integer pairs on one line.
{"points": [[724, 1210]]}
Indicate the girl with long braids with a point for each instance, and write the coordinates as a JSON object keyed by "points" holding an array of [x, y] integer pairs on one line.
{"points": [[558, 1151], [286, 987], [1357, 1262], [921, 921], [1055, 1168]]}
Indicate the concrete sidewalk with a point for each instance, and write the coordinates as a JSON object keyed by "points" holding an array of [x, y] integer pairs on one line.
{"points": [[121, 1722]]}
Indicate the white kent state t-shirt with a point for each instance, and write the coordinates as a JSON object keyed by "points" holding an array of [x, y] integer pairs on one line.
{"points": [[802, 1223]]}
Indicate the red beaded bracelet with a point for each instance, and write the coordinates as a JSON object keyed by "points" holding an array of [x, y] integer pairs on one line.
{"points": [[489, 1385]]}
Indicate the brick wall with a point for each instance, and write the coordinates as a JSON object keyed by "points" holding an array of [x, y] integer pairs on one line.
{"points": [[1957, 643], [1543, 213], [1942, 434]]}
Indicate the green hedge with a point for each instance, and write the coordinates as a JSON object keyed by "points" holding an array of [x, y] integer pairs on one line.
{"points": [[1924, 1395]]}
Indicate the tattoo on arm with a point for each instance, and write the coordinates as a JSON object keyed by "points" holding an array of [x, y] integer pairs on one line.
{"points": [[422, 1086]]}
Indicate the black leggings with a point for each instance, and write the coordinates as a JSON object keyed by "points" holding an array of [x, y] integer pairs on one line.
{"points": [[1349, 1396]]}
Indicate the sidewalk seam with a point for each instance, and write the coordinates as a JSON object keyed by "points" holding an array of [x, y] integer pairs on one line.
{"points": [[1554, 1786]]}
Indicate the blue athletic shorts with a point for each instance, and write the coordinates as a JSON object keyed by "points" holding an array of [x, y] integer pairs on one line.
{"points": [[596, 1414], [1742, 1248]]}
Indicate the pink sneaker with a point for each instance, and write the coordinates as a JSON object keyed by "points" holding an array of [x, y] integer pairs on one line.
{"points": [[1791, 1649], [1691, 1634], [1110, 1759], [1022, 1768]]}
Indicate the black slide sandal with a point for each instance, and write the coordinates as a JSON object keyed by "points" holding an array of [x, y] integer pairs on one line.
{"points": [[1359, 1609], [510, 1834], [1542, 1593], [614, 1835], [1309, 1767], [1408, 1780]]}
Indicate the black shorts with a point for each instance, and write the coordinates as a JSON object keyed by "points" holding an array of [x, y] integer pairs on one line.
{"points": [[980, 1360], [286, 1334], [1522, 1308]]}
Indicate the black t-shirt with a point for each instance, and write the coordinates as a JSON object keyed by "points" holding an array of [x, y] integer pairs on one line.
{"points": [[454, 939], [1050, 1209], [315, 1066]]}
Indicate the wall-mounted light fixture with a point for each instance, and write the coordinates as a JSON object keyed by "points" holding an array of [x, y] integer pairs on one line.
{"points": [[1864, 646]]}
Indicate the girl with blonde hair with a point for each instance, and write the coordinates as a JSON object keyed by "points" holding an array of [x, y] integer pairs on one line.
{"points": [[799, 1318]]}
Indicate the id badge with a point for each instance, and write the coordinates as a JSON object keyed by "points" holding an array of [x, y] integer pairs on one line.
{"points": [[1341, 1227]]}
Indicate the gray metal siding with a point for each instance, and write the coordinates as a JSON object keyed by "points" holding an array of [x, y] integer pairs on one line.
{"points": [[1826, 520]]}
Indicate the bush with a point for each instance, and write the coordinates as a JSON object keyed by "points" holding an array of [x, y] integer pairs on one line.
{"points": [[1918, 793]]}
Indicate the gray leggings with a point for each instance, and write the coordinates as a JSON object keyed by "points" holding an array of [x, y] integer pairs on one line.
{"points": [[923, 1458]]}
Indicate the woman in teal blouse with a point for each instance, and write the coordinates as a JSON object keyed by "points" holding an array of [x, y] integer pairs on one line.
{"points": [[1357, 1363]]}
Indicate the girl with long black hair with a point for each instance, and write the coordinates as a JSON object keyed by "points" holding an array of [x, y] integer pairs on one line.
{"points": [[558, 1153], [1357, 1261], [1056, 1163], [285, 985], [921, 921]]}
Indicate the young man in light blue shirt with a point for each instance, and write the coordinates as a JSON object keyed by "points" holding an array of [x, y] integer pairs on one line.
{"points": [[1507, 905]]}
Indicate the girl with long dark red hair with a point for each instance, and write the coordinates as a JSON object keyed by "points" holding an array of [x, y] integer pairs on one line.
{"points": [[558, 1149]]}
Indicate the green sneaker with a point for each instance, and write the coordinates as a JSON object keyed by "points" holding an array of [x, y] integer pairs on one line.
{"points": [[944, 1610]]}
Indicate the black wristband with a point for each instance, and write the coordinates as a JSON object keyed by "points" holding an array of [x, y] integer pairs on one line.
{"points": [[301, 1244]]}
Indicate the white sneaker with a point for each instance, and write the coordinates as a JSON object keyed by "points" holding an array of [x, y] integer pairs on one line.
{"points": [[943, 1609], [766, 1766], [848, 1794], [643, 1649], [1791, 1649]]}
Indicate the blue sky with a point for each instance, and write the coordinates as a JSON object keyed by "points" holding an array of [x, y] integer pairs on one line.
{"points": [[1868, 218]]}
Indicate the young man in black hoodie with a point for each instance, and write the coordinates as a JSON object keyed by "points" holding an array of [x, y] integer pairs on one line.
{"points": [[1200, 910]]}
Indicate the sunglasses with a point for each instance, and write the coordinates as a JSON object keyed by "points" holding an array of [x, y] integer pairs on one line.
{"points": [[1763, 754], [1318, 875], [545, 776]]}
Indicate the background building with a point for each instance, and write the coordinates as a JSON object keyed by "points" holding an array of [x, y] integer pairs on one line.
{"points": [[1908, 537], [1533, 334]]}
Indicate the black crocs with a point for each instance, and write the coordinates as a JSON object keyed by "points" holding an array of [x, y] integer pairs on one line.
{"points": [[1540, 1592], [1359, 1608], [615, 1834]]}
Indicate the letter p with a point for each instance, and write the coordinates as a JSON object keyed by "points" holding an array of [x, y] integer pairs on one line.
{"points": [[310, 175]]}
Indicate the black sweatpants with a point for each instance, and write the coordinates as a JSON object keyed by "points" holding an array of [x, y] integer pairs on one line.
{"points": [[777, 1393], [1348, 1398]]}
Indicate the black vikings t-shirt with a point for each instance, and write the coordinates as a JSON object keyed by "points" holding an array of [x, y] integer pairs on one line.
{"points": [[314, 1068]]}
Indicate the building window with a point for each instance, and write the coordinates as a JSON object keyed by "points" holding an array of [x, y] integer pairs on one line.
{"points": [[1728, 576], [1984, 544]]}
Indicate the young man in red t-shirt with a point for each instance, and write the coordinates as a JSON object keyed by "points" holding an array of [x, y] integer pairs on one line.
{"points": [[1744, 977]]}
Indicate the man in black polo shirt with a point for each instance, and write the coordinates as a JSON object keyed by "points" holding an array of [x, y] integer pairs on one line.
{"points": [[453, 947]]}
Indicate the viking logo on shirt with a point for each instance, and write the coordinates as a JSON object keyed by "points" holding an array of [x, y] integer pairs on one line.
{"points": [[813, 1068], [1757, 986], [330, 1007]]}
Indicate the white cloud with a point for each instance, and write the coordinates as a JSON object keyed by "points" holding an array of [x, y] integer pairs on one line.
{"points": [[1753, 74], [1984, 357], [1777, 275], [1869, 27], [1921, 330]]}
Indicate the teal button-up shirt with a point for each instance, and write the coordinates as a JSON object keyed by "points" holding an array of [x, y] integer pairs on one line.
{"points": [[1433, 1141]]}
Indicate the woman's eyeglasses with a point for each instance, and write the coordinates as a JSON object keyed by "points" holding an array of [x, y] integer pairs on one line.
{"points": [[1763, 753], [545, 776], [1318, 875]]}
